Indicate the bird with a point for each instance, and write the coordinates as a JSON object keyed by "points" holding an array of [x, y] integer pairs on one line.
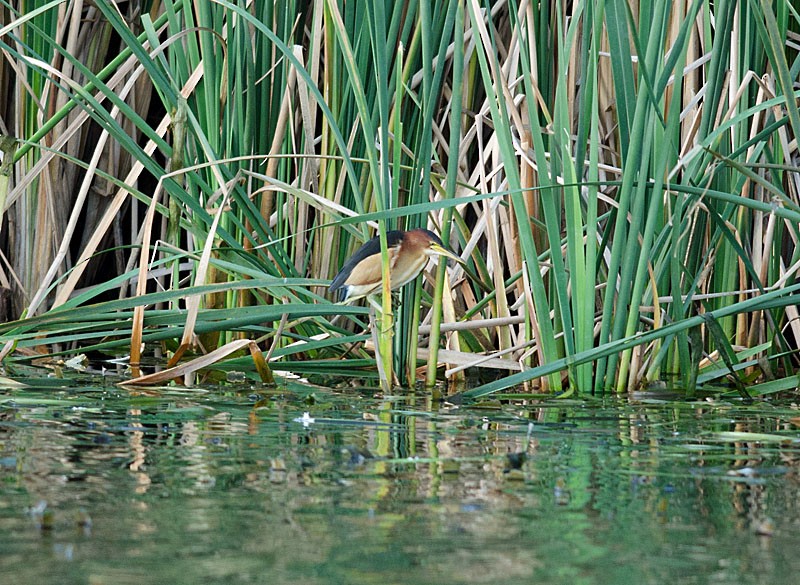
{"points": [[409, 252]]}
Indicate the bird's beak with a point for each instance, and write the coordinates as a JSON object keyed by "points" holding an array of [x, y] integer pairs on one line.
{"points": [[438, 250]]}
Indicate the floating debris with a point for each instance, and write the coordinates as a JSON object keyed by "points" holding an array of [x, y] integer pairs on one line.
{"points": [[305, 420]]}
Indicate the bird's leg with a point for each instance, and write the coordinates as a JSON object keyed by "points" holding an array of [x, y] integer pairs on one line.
{"points": [[373, 301], [376, 343], [378, 307]]}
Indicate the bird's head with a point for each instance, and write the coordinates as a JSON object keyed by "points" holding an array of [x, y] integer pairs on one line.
{"points": [[428, 243]]}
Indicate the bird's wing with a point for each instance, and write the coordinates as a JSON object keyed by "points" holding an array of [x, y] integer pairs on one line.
{"points": [[368, 271], [354, 274]]}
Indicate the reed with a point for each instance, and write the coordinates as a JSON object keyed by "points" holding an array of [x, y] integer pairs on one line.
{"points": [[620, 177]]}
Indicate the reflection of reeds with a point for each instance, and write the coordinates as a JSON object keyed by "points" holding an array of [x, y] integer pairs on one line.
{"points": [[614, 178]]}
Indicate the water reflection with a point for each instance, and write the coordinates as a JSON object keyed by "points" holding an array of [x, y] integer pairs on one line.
{"points": [[233, 488]]}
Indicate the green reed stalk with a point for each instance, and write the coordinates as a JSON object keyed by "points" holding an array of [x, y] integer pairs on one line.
{"points": [[452, 174], [493, 80]]}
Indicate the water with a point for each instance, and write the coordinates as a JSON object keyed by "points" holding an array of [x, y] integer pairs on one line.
{"points": [[103, 486]]}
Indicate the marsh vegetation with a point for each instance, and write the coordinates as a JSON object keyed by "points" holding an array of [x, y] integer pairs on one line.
{"points": [[619, 177]]}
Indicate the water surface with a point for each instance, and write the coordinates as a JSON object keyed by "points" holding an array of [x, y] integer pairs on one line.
{"points": [[234, 484]]}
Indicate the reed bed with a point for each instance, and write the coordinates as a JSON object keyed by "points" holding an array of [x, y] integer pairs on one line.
{"points": [[621, 179]]}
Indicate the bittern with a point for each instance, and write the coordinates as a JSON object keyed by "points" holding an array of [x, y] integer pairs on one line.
{"points": [[409, 252]]}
